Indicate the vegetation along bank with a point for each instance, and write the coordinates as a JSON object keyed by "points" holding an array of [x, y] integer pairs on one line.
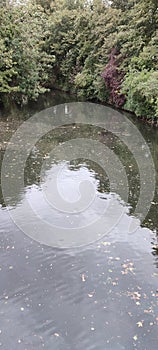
{"points": [[98, 49]]}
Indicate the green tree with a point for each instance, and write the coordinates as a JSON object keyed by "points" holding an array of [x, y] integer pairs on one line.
{"points": [[24, 61]]}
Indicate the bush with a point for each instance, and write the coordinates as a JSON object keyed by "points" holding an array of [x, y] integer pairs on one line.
{"points": [[141, 89]]}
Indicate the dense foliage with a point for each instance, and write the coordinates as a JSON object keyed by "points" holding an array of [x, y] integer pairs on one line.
{"points": [[100, 50]]}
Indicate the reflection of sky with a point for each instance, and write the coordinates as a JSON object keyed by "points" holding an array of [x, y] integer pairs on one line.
{"points": [[43, 295], [67, 182], [100, 213]]}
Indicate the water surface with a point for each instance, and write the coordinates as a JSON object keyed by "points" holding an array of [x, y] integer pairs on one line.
{"points": [[97, 296]]}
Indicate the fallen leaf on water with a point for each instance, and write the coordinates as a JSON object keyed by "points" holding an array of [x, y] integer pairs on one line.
{"points": [[106, 243], [135, 337], [90, 295], [83, 277]]}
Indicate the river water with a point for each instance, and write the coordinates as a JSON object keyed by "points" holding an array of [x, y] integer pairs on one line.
{"points": [[93, 289]]}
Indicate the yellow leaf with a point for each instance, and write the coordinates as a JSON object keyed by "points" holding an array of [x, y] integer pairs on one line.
{"points": [[140, 324], [135, 337]]}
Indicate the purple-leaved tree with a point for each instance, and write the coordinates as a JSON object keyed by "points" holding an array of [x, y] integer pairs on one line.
{"points": [[113, 78]]}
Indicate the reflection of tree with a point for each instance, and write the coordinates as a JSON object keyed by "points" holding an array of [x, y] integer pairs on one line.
{"points": [[128, 162], [16, 192], [66, 133], [1, 196], [10, 120], [151, 136], [155, 254], [60, 135]]}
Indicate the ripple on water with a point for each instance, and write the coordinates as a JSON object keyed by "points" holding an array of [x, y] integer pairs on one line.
{"points": [[96, 297]]}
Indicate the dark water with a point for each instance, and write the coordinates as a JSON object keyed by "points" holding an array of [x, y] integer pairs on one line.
{"points": [[97, 296]]}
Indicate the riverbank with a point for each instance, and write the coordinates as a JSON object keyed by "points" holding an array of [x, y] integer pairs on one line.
{"points": [[147, 120]]}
